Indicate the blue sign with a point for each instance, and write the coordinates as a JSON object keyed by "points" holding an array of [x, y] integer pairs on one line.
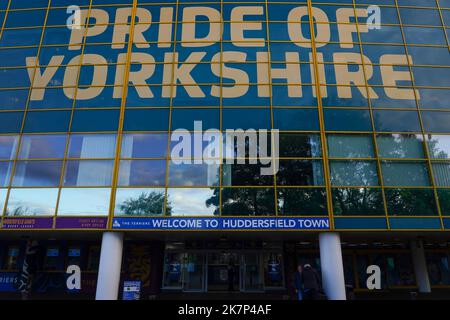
{"points": [[7, 281], [239, 224], [131, 290]]}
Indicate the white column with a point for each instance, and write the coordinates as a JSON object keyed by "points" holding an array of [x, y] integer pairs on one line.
{"points": [[420, 266], [332, 266], [110, 264]]}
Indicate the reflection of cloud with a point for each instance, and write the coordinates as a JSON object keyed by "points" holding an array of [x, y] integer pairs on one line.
{"points": [[193, 175], [85, 201], [190, 202], [32, 201]]}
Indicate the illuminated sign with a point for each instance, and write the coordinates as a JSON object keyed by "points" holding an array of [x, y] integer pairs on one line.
{"points": [[210, 58], [220, 224]]}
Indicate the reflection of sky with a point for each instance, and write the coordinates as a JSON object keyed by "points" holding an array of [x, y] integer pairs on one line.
{"points": [[441, 146], [32, 201], [86, 201], [193, 175], [37, 173], [190, 202]]}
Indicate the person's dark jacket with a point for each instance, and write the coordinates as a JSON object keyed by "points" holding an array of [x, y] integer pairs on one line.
{"points": [[311, 279], [298, 283]]}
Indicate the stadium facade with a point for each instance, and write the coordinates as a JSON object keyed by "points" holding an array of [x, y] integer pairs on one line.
{"points": [[169, 142]]}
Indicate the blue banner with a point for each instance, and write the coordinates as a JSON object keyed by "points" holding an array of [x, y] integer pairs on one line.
{"points": [[7, 281], [239, 224]]}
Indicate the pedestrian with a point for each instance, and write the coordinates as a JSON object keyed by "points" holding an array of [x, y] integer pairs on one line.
{"points": [[311, 283], [298, 283]]}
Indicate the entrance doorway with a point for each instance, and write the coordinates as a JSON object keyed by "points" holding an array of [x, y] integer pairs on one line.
{"points": [[223, 271]]}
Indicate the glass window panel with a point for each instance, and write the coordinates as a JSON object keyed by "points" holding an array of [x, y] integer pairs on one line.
{"points": [[95, 120], [142, 173], [444, 201], [32, 202], [300, 173], [405, 173], [396, 121], [47, 121], [410, 202], [350, 146], [37, 174], [84, 201], [140, 202], [439, 146], [42, 147], [301, 201], [144, 145], [248, 201], [357, 201], [8, 145], [5, 173], [400, 146], [246, 119], [3, 193], [191, 202], [441, 171], [347, 120], [10, 122], [354, 173], [244, 175], [295, 119], [146, 120], [438, 268], [193, 175], [299, 145], [436, 121], [88, 173], [92, 146]]}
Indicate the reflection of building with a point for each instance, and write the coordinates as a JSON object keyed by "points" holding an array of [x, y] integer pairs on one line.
{"points": [[364, 146]]}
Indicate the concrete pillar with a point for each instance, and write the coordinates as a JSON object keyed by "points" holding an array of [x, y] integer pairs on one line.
{"points": [[420, 266], [110, 264], [332, 266]]}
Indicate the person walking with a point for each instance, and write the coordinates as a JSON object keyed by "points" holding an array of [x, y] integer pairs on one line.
{"points": [[298, 283], [311, 283]]}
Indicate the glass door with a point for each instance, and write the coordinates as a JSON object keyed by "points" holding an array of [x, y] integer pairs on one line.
{"points": [[193, 275], [223, 271], [184, 271], [252, 279]]}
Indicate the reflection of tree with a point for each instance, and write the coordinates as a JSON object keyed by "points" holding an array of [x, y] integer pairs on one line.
{"points": [[258, 200], [296, 201], [20, 211], [244, 201], [356, 201], [411, 202], [407, 201], [146, 204]]}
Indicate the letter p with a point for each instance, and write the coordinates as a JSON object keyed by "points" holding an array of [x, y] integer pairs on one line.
{"points": [[85, 30]]}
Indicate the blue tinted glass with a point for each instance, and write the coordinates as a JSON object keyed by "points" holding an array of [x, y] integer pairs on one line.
{"points": [[246, 119], [42, 146], [10, 122], [48, 121], [146, 120], [95, 120], [185, 118], [296, 119], [144, 145], [37, 174], [396, 121], [436, 121], [347, 120], [142, 173]]}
